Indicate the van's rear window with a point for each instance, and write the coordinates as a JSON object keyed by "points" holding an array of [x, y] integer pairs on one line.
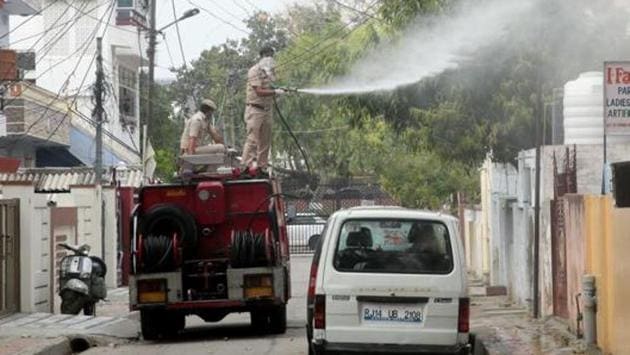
{"points": [[394, 246]]}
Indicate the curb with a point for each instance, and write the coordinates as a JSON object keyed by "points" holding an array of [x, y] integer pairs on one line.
{"points": [[57, 346]]}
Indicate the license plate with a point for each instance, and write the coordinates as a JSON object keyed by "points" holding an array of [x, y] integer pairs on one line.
{"points": [[402, 313]]}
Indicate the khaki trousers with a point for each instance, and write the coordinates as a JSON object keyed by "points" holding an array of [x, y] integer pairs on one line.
{"points": [[258, 141]]}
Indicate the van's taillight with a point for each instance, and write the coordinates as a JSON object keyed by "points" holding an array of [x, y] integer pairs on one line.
{"points": [[319, 312], [312, 280], [463, 323]]}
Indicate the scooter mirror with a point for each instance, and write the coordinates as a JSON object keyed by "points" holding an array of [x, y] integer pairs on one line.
{"points": [[84, 249]]}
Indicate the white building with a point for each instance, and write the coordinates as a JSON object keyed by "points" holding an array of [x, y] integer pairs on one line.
{"points": [[63, 38]]}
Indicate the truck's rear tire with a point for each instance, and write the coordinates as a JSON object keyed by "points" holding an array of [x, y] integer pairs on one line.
{"points": [[260, 320], [150, 325], [278, 320], [157, 324]]}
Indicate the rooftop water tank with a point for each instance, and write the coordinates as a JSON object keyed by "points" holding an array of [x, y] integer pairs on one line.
{"points": [[584, 111]]}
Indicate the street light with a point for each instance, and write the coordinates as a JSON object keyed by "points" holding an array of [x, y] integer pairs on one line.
{"points": [[151, 53], [185, 15]]}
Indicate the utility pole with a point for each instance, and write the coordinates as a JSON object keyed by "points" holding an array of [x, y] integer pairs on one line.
{"points": [[98, 112], [99, 89], [231, 83], [151, 79]]}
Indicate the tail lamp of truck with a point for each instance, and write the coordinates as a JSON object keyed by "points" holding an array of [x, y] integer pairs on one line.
{"points": [[152, 291], [258, 286]]}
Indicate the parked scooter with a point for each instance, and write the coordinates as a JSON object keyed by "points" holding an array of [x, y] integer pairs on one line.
{"points": [[81, 281]]}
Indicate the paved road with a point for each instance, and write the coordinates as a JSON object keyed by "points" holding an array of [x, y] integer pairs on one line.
{"points": [[233, 335]]}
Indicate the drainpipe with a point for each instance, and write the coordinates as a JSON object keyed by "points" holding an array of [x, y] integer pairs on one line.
{"points": [[590, 308]]}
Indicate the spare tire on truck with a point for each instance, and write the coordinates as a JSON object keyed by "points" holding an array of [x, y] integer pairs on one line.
{"points": [[157, 227]]}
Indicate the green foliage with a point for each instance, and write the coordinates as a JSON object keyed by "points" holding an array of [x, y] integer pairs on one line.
{"points": [[399, 13], [424, 142], [424, 180], [162, 131]]}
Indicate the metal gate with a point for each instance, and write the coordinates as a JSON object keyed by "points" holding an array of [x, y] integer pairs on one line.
{"points": [[310, 209], [9, 256], [559, 260], [564, 183]]}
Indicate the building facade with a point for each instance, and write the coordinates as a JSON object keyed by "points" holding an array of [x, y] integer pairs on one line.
{"points": [[62, 37]]}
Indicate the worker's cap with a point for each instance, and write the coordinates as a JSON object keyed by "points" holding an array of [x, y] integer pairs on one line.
{"points": [[209, 103], [266, 51]]}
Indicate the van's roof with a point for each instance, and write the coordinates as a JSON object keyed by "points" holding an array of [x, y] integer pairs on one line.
{"points": [[391, 212]]}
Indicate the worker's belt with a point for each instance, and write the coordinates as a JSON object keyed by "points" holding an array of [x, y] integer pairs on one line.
{"points": [[260, 107]]}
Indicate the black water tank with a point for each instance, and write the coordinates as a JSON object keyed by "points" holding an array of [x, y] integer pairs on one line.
{"points": [[621, 183]]}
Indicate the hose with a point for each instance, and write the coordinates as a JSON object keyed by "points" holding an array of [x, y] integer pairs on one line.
{"points": [[288, 128], [153, 247], [248, 250]]}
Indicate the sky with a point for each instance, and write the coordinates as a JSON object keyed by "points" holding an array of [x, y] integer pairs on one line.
{"points": [[203, 31]]}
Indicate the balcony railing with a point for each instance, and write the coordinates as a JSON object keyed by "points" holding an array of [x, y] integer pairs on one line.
{"points": [[131, 13]]}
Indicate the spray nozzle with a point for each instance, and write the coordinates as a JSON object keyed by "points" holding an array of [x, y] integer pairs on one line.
{"points": [[285, 88], [290, 89]]}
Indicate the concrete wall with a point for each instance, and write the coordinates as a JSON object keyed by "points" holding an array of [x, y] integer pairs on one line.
{"points": [[575, 252], [36, 267], [607, 246], [498, 186], [476, 244], [507, 215]]}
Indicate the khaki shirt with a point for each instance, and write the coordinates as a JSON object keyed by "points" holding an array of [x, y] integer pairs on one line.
{"points": [[197, 127], [256, 77]]}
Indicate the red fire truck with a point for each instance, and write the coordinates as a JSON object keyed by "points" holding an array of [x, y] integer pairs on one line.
{"points": [[211, 245]]}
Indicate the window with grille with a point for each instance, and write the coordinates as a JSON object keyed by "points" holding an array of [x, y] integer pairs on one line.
{"points": [[125, 3], [127, 94]]}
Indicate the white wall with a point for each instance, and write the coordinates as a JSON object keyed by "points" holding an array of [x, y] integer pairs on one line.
{"points": [[4, 29], [35, 262]]}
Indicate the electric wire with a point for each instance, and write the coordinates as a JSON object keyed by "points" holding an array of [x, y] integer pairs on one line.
{"points": [[108, 133], [168, 51], [63, 87], [354, 9], [218, 17], [28, 19], [42, 56], [52, 42], [179, 36], [42, 37], [120, 28], [231, 14], [240, 6], [358, 23], [87, 71]]}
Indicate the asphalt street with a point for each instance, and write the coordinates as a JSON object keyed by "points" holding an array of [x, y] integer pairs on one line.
{"points": [[233, 335]]}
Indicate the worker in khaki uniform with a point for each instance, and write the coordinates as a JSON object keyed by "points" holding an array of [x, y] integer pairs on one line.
{"points": [[196, 128], [258, 110]]}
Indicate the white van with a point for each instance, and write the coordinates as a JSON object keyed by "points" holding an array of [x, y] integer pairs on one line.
{"points": [[388, 279]]}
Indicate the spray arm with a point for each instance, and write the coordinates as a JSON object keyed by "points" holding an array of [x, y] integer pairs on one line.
{"points": [[285, 88]]}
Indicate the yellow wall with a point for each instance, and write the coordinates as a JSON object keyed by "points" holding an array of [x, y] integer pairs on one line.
{"points": [[608, 258]]}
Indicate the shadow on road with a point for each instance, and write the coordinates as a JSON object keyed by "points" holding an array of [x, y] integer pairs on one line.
{"points": [[226, 332]]}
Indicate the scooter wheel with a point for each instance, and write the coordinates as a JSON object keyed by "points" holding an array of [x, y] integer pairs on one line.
{"points": [[89, 309], [72, 303]]}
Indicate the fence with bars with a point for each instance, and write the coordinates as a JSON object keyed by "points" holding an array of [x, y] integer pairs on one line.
{"points": [[309, 211]]}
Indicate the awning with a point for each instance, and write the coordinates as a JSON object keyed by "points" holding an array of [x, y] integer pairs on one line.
{"points": [[56, 157], [83, 147]]}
